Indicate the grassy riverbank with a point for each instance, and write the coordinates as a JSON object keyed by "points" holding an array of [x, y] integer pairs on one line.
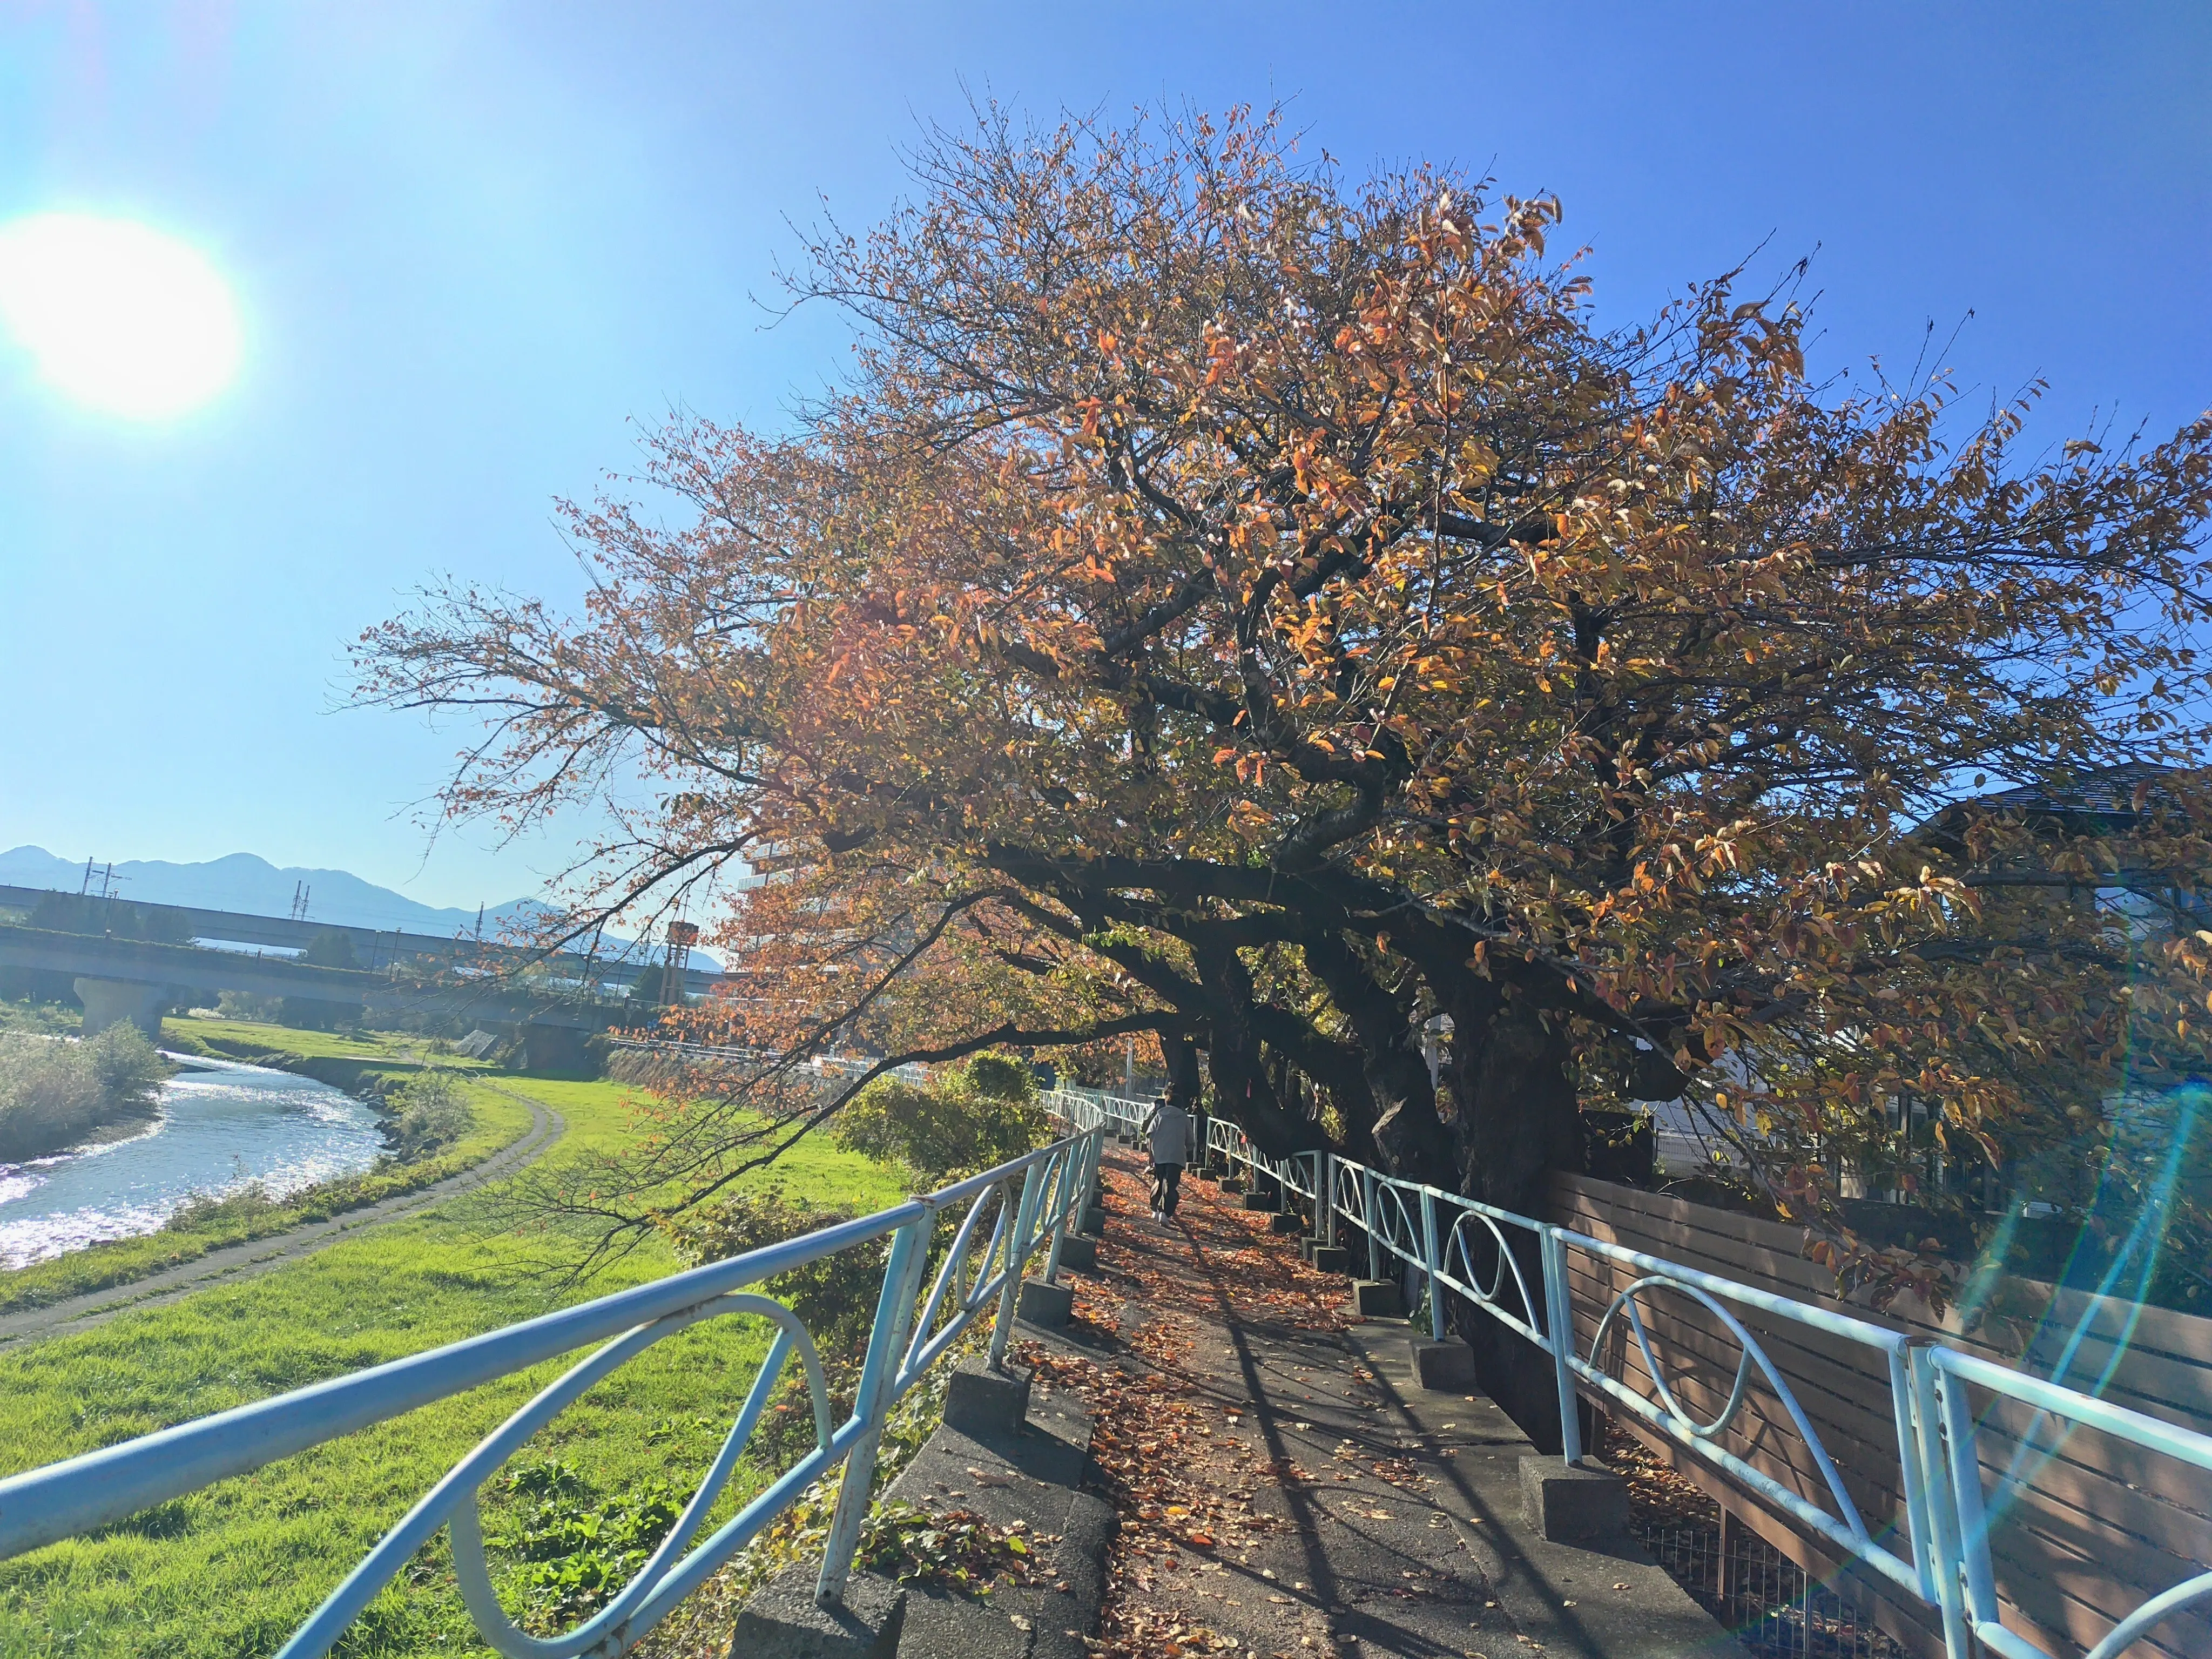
{"points": [[230, 1570], [342, 1061]]}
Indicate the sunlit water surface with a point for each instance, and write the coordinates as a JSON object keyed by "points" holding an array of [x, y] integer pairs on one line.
{"points": [[220, 1127]]}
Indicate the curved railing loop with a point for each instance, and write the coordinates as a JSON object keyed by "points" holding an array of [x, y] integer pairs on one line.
{"points": [[59, 1500], [2149, 1616], [1750, 1353], [927, 1342], [1344, 1196], [1507, 1261], [1399, 1231], [453, 1501]]}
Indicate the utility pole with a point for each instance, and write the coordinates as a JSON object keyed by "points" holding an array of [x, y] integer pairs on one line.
{"points": [[87, 888], [682, 935]]}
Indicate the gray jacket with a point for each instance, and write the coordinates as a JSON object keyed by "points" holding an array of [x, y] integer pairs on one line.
{"points": [[1167, 1132]]}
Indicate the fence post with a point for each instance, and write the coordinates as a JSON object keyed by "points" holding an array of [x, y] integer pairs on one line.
{"points": [[1325, 1210], [1559, 1328], [1430, 1260], [1974, 1570], [1974, 1584], [1056, 1194], [1367, 1221], [1017, 1255], [1942, 1518], [872, 1401]]}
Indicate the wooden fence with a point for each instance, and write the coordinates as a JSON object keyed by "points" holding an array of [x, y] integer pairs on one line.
{"points": [[2095, 1527]]}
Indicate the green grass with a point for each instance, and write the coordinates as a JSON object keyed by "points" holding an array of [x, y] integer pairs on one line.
{"points": [[312, 1052], [232, 1570], [50, 1017]]}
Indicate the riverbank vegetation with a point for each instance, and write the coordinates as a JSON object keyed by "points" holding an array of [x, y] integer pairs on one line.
{"points": [[56, 1093], [191, 1578], [426, 1113]]}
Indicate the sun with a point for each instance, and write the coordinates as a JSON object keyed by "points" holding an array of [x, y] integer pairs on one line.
{"points": [[117, 316]]}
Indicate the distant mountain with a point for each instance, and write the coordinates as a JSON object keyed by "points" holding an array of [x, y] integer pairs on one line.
{"points": [[245, 883]]}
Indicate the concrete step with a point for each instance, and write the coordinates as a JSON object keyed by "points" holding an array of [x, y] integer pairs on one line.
{"points": [[1027, 1469], [1597, 1595]]}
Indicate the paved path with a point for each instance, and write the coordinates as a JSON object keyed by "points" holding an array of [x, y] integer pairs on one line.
{"points": [[1285, 1488], [259, 1256]]}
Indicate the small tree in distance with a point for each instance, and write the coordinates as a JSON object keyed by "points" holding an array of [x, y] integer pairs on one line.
{"points": [[1263, 610], [968, 1119], [330, 948]]}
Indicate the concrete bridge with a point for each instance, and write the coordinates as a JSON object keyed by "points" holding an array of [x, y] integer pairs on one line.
{"points": [[119, 979], [376, 948]]}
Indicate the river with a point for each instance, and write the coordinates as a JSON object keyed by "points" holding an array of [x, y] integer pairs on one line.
{"points": [[222, 1126]]}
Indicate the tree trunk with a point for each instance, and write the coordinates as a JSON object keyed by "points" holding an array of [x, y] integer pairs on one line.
{"points": [[1514, 1099], [1184, 1083], [1515, 1122]]}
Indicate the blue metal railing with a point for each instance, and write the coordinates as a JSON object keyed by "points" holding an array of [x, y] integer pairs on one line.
{"points": [[1019, 1209], [1942, 1559], [819, 1066], [1297, 1174], [1118, 1114]]}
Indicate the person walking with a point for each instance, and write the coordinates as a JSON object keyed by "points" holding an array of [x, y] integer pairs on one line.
{"points": [[1167, 1131]]}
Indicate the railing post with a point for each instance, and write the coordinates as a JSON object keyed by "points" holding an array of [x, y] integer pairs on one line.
{"points": [[1058, 1192], [872, 1403], [1975, 1583], [1430, 1260], [1017, 1255], [1367, 1222], [1559, 1328], [1943, 1553], [1325, 1205]]}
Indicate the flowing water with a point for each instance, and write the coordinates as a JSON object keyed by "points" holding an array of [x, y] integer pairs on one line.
{"points": [[222, 1126]]}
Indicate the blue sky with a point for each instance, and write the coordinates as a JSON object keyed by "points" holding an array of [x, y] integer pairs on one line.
{"points": [[473, 243]]}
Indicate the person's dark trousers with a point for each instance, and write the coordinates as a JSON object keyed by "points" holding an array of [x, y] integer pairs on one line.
{"points": [[1167, 1187]]}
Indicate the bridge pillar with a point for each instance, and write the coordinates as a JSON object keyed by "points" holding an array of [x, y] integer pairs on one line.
{"points": [[112, 1001]]}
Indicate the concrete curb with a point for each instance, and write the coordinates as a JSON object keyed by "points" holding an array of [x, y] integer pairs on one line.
{"points": [[1598, 1597]]}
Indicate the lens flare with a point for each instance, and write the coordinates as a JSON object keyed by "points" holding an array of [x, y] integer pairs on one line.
{"points": [[117, 316]]}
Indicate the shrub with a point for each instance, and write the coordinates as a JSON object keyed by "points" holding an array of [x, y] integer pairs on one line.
{"points": [[131, 1069], [429, 1113], [835, 1296], [968, 1119], [330, 949], [246, 1210], [54, 1092], [244, 1005], [999, 1077]]}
